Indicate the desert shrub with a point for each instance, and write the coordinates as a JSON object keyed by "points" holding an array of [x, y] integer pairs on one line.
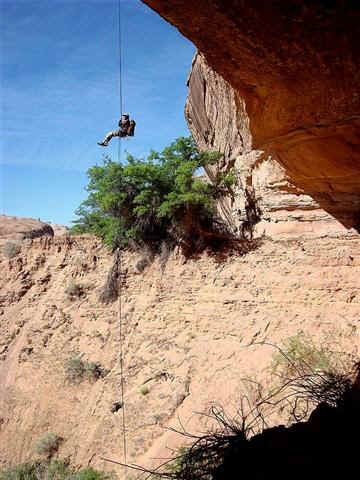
{"points": [[74, 290], [77, 369], [57, 470], [24, 471], [176, 464], [48, 445], [94, 370], [10, 249], [91, 474], [299, 353], [52, 470], [205, 453], [142, 202], [144, 390], [74, 369]]}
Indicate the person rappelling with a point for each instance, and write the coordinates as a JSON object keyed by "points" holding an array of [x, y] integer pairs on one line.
{"points": [[127, 129]]}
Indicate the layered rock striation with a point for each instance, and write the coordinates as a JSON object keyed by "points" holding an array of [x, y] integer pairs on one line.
{"points": [[285, 96]]}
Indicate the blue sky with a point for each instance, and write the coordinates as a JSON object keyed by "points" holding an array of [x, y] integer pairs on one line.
{"points": [[59, 95]]}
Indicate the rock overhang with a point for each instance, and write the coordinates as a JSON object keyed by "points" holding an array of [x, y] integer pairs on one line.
{"points": [[295, 65]]}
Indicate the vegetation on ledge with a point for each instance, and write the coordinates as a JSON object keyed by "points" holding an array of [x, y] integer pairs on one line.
{"points": [[145, 202]]}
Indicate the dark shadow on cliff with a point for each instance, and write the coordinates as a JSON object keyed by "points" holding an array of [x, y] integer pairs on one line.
{"points": [[219, 239], [325, 446], [221, 251], [345, 208], [338, 195]]}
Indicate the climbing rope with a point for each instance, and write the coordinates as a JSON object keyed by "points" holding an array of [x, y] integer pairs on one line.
{"points": [[119, 258], [120, 73], [121, 357], [120, 58]]}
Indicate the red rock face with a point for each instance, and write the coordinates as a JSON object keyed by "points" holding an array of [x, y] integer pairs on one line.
{"points": [[295, 64]]}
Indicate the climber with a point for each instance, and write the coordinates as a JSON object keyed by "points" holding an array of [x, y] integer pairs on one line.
{"points": [[127, 129]]}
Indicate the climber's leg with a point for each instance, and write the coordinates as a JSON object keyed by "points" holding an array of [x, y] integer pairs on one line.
{"points": [[108, 137]]}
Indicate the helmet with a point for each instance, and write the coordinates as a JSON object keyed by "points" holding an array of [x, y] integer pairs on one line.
{"points": [[126, 115]]}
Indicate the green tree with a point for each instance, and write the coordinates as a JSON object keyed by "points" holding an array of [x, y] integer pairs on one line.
{"points": [[146, 201]]}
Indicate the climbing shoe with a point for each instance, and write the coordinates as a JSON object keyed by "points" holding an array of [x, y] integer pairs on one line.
{"points": [[103, 144]]}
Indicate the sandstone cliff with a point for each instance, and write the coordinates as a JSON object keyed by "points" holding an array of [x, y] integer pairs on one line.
{"points": [[285, 97], [218, 120], [188, 338]]}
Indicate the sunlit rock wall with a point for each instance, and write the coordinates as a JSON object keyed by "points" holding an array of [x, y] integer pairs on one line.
{"points": [[218, 120]]}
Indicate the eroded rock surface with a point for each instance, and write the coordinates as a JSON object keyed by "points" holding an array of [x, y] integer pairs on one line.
{"points": [[294, 68], [190, 334]]}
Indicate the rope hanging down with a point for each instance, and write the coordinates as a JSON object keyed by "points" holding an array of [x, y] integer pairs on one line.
{"points": [[120, 280], [120, 58], [127, 126], [120, 74], [121, 360]]}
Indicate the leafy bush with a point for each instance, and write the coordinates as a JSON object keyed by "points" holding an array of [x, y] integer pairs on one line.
{"points": [[49, 444], [54, 470], [145, 201], [10, 249], [77, 369]]}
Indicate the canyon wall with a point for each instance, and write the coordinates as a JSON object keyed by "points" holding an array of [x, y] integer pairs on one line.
{"points": [[191, 334], [276, 90], [285, 96]]}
